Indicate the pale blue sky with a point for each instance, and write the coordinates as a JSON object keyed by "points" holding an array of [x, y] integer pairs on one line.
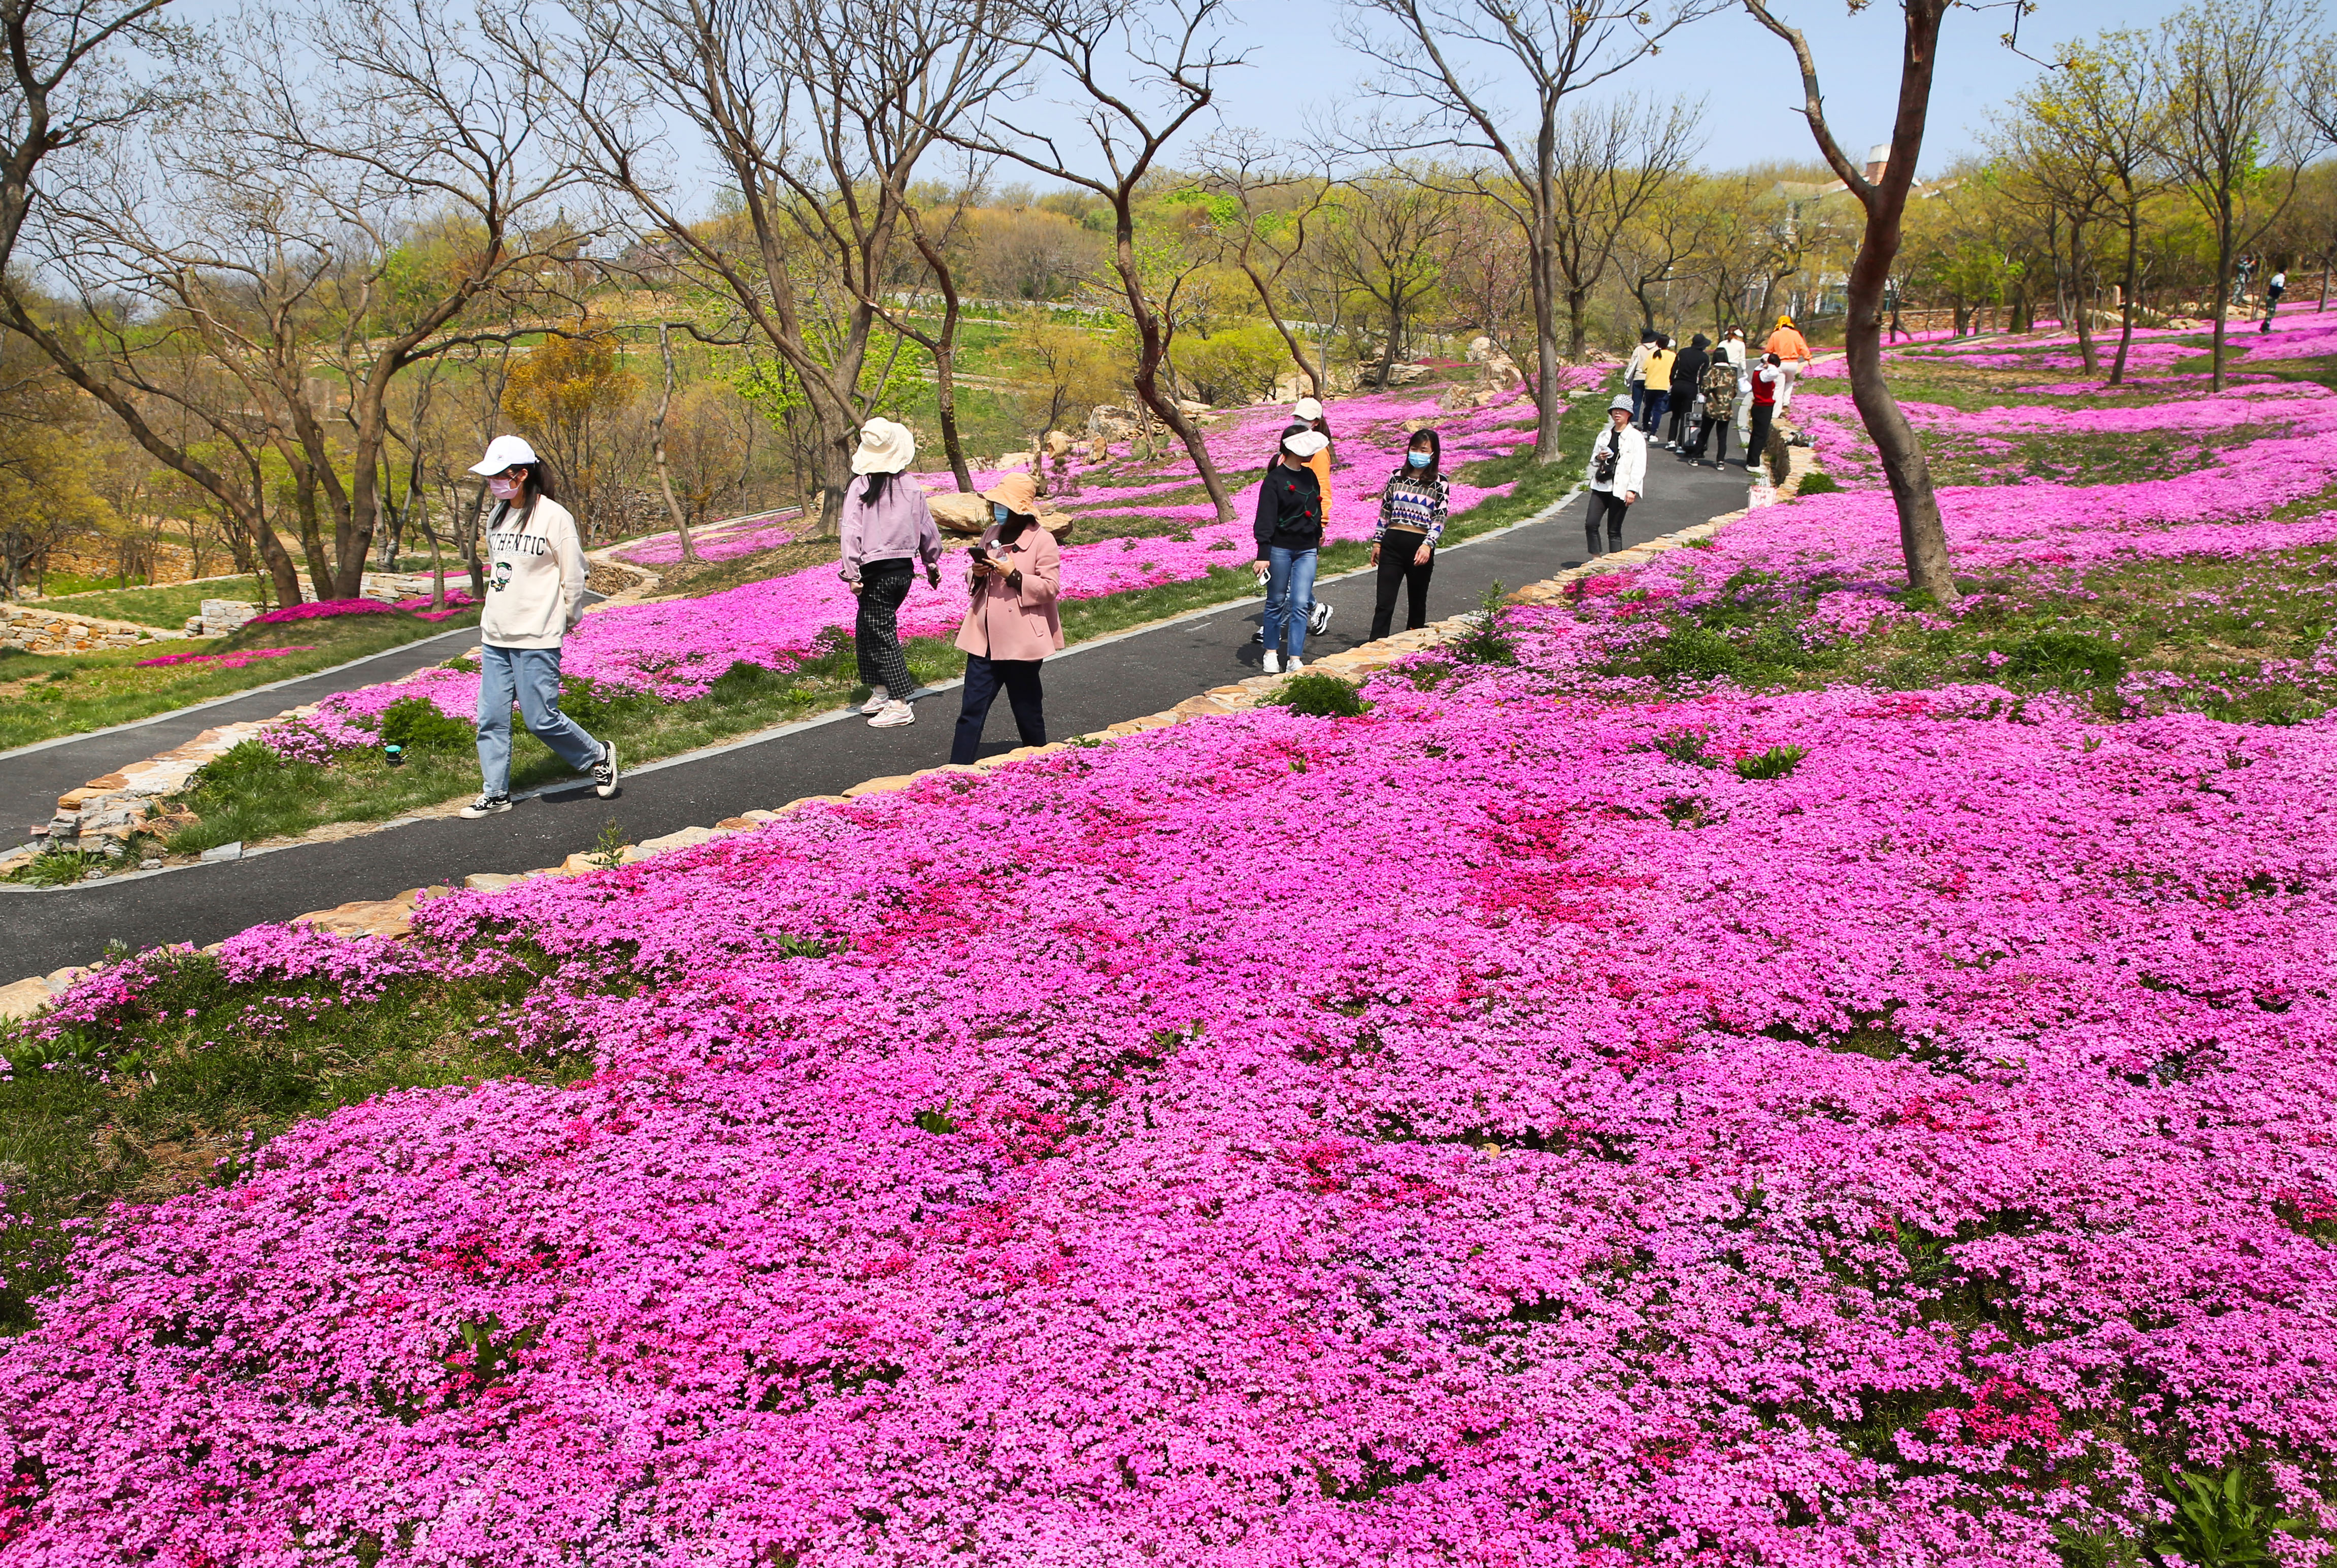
{"points": [[1747, 75]]}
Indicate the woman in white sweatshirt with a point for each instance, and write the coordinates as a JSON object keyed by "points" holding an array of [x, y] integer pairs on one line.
{"points": [[535, 595]]}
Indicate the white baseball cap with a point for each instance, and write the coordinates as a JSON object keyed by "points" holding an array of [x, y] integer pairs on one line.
{"points": [[503, 451], [1307, 408]]}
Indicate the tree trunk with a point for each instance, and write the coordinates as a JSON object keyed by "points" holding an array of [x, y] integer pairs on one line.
{"points": [[1387, 354], [2127, 294], [2222, 288], [1152, 347], [657, 444], [1547, 409], [945, 352], [2085, 350], [1922, 535], [1315, 379]]}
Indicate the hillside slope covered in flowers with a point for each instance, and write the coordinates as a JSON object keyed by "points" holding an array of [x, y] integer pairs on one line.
{"points": [[1583, 1110]]}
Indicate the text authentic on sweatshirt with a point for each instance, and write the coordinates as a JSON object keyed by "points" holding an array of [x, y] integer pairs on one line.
{"points": [[1289, 510], [536, 577]]}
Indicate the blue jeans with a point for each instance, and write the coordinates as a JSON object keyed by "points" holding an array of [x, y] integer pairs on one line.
{"points": [[533, 676], [1658, 400], [1290, 598]]}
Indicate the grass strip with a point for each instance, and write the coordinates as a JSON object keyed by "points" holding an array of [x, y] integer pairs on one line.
{"points": [[45, 696]]}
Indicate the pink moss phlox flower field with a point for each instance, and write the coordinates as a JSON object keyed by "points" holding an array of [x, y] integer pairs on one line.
{"points": [[321, 609], [677, 649], [723, 541], [1194, 1151], [235, 660]]}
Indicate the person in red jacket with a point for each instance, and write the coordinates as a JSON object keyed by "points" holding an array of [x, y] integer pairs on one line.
{"points": [[1767, 376]]}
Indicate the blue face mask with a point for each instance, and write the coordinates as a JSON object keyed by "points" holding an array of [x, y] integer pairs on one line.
{"points": [[997, 512], [1419, 459]]}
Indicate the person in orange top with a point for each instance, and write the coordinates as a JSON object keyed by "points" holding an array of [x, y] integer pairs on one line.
{"points": [[1792, 352]]}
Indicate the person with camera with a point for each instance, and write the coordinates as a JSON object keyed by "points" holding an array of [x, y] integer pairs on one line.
{"points": [[1618, 469], [1012, 624]]}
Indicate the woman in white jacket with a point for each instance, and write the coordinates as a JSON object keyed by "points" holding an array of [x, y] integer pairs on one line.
{"points": [[535, 596], [1619, 470]]}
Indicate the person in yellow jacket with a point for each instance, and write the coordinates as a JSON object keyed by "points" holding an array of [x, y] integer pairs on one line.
{"points": [[1658, 372], [1792, 352]]}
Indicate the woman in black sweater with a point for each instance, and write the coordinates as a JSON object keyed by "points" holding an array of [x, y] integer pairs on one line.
{"points": [[1289, 531]]}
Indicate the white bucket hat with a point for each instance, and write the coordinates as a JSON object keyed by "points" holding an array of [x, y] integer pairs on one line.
{"points": [[1305, 442], [885, 448], [503, 451], [1307, 408]]}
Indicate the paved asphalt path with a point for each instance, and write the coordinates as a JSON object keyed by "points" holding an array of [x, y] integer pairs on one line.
{"points": [[1088, 686], [33, 777]]}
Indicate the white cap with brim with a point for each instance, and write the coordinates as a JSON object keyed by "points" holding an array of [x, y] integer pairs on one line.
{"points": [[1307, 408], [1622, 400], [504, 451], [1305, 442]]}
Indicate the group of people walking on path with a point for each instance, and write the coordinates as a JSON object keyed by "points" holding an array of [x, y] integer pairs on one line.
{"points": [[1707, 390], [536, 571]]}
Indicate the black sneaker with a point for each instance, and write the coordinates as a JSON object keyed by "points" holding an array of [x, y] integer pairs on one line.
{"points": [[486, 805], [604, 772]]}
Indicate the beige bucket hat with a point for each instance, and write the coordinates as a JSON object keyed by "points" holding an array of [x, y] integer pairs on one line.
{"points": [[885, 448]]}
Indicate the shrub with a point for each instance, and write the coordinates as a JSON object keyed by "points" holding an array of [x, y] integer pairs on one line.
{"points": [[1686, 745], [1320, 694], [417, 724], [1775, 763], [1486, 641], [2066, 659], [1816, 481], [1692, 651]]}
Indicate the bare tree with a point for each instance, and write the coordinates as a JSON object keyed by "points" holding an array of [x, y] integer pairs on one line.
{"points": [[1261, 211], [77, 72], [940, 246], [1923, 536], [2105, 110], [1387, 239], [1434, 51], [818, 112], [2233, 135], [1138, 74], [356, 182]]}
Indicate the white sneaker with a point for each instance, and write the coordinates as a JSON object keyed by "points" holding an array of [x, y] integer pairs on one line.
{"points": [[1273, 662], [877, 698], [1317, 618], [893, 715], [604, 772], [1295, 666], [486, 805]]}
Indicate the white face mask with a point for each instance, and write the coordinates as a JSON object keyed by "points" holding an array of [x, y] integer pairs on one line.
{"points": [[504, 488]]}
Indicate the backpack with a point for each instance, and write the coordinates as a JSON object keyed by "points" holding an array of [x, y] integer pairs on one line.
{"points": [[1720, 384]]}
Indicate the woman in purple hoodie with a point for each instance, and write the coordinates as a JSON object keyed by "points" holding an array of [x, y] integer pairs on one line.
{"points": [[887, 527]]}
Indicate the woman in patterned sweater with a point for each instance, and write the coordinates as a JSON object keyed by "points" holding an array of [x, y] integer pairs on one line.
{"points": [[1412, 510]]}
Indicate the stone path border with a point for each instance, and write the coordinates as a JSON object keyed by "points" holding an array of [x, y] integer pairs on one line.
{"points": [[394, 916]]}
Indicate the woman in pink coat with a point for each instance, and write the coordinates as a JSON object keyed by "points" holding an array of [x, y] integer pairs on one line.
{"points": [[1011, 624]]}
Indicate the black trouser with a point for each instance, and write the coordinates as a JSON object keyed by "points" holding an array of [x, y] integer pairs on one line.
{"points": [[877, 627], [1706, 427], [1682, 404], [1612, 507], [1657, 401], [1397, 570], [984, 676], [1756, 443]]}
